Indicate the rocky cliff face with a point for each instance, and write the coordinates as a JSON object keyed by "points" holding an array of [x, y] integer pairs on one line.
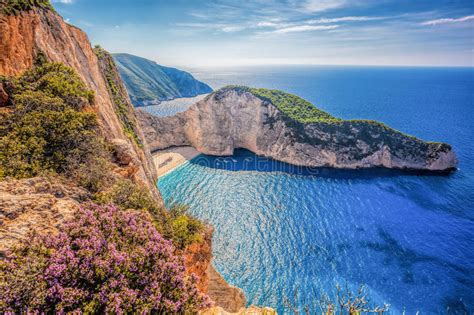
{"points": [[198, 258], [35, 205], [24, 36], [235, 118]]}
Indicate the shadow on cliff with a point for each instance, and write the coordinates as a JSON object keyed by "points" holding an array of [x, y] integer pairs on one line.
{"points": [[246, 161]]}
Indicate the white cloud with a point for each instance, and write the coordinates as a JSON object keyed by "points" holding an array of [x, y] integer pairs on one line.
{"points": [[304, 28], [64, 1], [231, 29], [449, 20], [267, 24], [309, 25], [323, 5], [347, 19], [226, 28]]}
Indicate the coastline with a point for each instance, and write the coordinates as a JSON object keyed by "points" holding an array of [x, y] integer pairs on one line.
{"points": [[169, 159], [228, 299]]}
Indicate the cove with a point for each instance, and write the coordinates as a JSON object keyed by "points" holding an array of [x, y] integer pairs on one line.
{"points": [[281, 229]]}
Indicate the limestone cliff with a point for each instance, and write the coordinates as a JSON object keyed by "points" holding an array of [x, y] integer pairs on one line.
{"points": [[198, 258], [36, 205], [40, 30], [237, 117]]}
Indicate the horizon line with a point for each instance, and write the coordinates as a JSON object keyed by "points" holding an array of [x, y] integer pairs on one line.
{"points": [[315, 65]]}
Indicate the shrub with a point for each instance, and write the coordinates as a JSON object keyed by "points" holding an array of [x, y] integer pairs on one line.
{"points": [[176, 224], [127, 195], [291, 105], [49, 127], [104, 261], [183, 229], [342, 301], [14, 7], [93, 174], [56, 80]]}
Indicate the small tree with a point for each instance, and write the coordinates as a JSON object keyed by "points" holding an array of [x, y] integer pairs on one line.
{"points": [[345, 302], [357, 303]]}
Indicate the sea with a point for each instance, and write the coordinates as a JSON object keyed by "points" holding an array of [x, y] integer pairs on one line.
{"points": [[295, 238]]}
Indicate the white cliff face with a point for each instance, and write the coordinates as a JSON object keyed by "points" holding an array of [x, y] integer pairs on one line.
{"points": [[231, 119]]}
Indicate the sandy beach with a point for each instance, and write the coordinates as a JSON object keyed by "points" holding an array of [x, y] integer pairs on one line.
{"points": [[168, 159]]}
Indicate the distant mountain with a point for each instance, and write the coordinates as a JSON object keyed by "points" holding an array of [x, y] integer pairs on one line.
{"points": [[149, 83]]}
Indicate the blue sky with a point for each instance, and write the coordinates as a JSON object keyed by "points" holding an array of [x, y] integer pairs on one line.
{"points": [[196, 33]]}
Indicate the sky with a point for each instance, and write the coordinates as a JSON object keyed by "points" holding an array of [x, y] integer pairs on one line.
{"points": [[214, 33]]}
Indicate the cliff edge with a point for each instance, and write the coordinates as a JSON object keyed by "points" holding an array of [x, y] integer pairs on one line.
{"points": [[39, 30], [30, 31], [289, 129]]}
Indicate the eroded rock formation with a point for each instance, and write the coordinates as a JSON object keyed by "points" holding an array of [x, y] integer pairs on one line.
{"points": [[35, 205], [198, 258], [234, 118]]}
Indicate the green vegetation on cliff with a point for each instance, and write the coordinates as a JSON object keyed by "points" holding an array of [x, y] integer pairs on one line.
{"points": [[14, 7], [357, 138], [146, 81], [294, 106], [300, 110], [291, 105], [49, 127], [124, 112]]}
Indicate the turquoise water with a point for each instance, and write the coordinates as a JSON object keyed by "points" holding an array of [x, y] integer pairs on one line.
{"points": [[170, 108], [408, 237]]}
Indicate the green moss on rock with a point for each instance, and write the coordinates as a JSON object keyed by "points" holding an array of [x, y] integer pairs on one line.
{"points": [[122, 108]]}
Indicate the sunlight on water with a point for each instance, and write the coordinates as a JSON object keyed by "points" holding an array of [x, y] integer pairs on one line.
{"points": [[410, 238], [281, 232]]}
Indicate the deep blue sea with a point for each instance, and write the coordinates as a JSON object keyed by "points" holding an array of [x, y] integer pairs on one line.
{"points": [[282, 232]]}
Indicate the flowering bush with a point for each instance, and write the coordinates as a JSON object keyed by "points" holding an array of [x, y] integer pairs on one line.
{"points": [[104, 260], [175, 225]]}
